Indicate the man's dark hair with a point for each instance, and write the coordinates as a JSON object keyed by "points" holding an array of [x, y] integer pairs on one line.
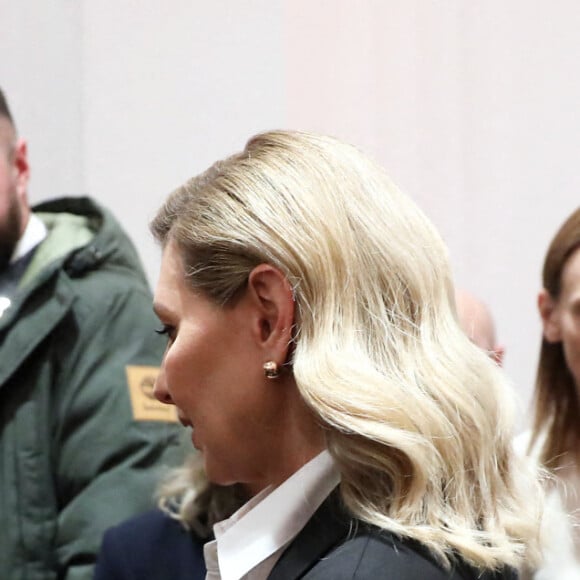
{"points": [[4, 109]]}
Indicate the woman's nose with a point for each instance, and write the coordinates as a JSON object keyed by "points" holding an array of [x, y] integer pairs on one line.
{"points": [[160, 390]]}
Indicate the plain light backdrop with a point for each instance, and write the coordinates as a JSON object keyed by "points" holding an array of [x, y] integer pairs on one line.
{"points": [[472, 107]]}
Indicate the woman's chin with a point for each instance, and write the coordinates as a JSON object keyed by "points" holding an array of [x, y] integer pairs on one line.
{"points": [[215, 472]]}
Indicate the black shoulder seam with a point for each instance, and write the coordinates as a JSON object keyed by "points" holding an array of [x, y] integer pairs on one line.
{"points": [[360, 559]]}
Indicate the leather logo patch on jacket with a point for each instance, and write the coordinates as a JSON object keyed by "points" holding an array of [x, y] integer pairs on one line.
{"points": [[141, 381]]}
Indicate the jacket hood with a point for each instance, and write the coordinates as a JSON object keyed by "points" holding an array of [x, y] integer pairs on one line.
{"points": [[85, 236]]}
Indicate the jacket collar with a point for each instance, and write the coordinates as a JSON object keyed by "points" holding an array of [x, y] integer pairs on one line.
{"points": [[329, 526], [30, 320]]}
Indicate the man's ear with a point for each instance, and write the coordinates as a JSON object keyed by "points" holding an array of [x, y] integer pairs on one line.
{"points": [[497, 354], [273, 298], [22, 169], [550, 315]]}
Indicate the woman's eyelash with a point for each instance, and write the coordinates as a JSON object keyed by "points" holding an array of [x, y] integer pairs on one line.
{"points": [[164, 330]]}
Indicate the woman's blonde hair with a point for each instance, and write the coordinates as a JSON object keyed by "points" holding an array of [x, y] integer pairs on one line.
{"points": [[187, 496], [418, 419]]}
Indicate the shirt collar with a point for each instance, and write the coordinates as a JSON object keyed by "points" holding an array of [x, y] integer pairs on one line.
{"points": [[34, 233], [270, 520]]}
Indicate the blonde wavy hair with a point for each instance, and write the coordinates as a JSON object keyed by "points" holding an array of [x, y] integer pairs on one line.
{"points": [[418, 419], [186, 495]]}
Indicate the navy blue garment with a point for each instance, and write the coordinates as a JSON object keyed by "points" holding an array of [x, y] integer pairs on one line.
{"points": [[151, 546]]}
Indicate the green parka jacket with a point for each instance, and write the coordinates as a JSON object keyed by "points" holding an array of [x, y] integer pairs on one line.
{"points": [[82, 440]]}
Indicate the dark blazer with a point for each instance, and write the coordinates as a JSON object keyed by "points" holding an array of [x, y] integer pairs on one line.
{"points": [[331, 546], [151, 546]]}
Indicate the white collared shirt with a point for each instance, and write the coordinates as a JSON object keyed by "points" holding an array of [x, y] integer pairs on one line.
{"points": [[249, 543], [34, 233]]}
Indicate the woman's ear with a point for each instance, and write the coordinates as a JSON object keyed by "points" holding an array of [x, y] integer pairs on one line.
{"points": [[273, 299], [550, 316]]}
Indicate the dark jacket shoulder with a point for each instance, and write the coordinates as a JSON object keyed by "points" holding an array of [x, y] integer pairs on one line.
{"points": [[334, 545], [153, 546], [375, 554]]}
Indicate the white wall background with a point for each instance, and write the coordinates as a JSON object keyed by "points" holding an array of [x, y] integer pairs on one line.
{"points": [[473, 107]]}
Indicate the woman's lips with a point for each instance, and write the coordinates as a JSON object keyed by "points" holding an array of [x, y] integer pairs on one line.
{"points": [[187, 423]]}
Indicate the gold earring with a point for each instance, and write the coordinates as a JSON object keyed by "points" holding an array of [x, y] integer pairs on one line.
{"points": [[271, 370]]}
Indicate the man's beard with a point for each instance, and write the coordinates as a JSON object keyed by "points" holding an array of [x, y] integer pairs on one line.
{"points": [[10, 232]]}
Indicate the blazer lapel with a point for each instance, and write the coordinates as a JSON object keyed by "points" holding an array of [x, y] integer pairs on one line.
{"points": [[328, 527]]}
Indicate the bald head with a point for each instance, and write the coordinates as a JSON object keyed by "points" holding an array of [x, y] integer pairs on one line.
{"points": [[476, 321], [5, 109], [14, 174], [7, 128]]}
